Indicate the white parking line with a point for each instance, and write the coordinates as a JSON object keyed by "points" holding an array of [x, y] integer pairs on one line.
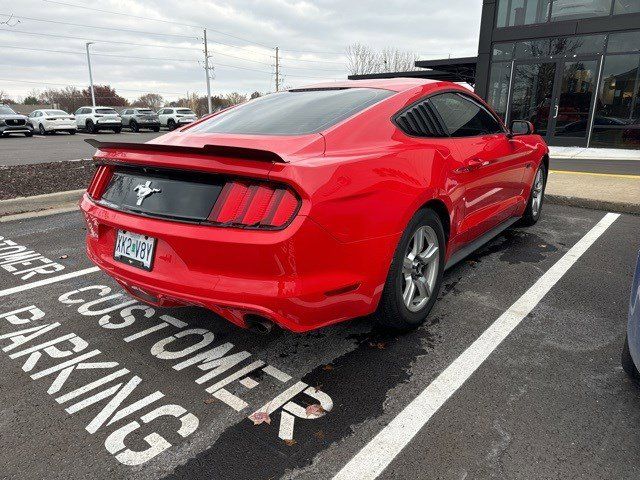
{"points": [[371, 461], [47, 281]]}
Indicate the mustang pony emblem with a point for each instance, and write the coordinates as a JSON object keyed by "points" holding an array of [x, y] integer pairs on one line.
{"points": [[144, 191]]}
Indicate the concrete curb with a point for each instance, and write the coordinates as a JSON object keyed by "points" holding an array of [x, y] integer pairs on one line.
{"points": [[37, 203], [617, 207]]}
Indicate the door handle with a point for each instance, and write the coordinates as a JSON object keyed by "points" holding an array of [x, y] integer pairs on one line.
{"points": [[555, 115], [477, 163]]}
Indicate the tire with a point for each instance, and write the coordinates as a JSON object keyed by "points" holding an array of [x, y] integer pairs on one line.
{"points": [[536, 198], [41, 130], [90, 127], [394, 312], [72, 132], [156, 129], [134, 126], [171, 124], [117, 130], [28, 134], [628, 364]]}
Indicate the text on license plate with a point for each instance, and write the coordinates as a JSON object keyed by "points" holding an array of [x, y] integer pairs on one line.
{"points": [[134, 249]]}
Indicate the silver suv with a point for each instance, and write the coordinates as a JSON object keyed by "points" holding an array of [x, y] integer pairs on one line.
{"points": [[12, 122], [138, 118]]}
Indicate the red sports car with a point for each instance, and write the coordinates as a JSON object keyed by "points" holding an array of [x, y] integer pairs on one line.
{"points": [[315, 205]]}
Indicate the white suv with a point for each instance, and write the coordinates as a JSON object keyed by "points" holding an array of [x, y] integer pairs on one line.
{"points": [[176, 117], [92, 119]]}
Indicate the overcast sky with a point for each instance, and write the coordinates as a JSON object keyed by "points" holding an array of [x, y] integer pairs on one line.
{"points": [[312, 36]]}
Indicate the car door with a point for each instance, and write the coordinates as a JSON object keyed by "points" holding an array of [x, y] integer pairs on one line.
{"points": [[491, 168], [80, 117]]}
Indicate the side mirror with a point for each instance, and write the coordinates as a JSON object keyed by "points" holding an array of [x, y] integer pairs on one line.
{"points": [[521, 127]]}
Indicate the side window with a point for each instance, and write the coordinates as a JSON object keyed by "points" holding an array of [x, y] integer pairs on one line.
{"points": [[419, 120], [463, 117], [168, 111]]}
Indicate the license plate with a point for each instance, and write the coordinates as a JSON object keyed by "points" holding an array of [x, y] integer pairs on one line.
{"points": [[134, 249]]}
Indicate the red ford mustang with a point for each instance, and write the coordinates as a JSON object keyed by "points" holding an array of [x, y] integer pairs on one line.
{"points": [[316, 205]]}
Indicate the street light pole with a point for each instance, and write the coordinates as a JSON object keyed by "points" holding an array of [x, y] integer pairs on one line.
{"points": [[93, 96]]}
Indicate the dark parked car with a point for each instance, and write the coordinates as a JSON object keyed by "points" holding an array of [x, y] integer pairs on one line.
{"points": [[631, 349], [139, 118], [12, 122]]}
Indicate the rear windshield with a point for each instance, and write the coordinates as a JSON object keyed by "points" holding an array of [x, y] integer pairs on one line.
{"points": [[294, 112], [145, 111], [55, 112], [106, 110], [185, 111]]}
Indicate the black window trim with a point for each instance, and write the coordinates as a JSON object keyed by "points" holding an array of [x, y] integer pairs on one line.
{"points": [[441, 123]]}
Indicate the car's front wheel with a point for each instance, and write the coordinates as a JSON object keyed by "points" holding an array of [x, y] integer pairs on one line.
{"points": [[134, 126], [41, 130], [536, 198], [171, 124], [415, 275], [90, 127]]}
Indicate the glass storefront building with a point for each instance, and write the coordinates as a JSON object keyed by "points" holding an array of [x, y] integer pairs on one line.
{"points": [[571, 67]]}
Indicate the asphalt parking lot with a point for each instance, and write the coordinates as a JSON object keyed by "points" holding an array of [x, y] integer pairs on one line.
{"points": [[97, 386], [18, 150]]}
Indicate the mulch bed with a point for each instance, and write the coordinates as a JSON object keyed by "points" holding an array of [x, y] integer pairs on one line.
{"points": [[40, 178]]}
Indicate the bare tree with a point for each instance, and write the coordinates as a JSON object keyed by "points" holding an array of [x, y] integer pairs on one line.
{"points": [[150, 100], [234, 98], [362, 60], [395, 60]]}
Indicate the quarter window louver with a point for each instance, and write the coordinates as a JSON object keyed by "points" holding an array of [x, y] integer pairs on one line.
{"points": [[420, 121]]}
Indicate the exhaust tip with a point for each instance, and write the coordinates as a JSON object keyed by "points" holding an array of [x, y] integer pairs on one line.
{"points": [[258, 324]]}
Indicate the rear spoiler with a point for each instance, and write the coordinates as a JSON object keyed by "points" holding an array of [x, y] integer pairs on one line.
{"points": [[211, 150]]}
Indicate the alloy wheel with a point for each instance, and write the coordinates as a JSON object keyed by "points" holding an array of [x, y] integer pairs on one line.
{"points": [[420, 268], [536, 193]]}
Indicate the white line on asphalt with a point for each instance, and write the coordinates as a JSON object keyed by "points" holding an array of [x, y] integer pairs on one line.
{"points": [[47, 281], [371, 461]]}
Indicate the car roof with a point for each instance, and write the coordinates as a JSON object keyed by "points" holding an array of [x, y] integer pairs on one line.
{"points": [[397, 84]]}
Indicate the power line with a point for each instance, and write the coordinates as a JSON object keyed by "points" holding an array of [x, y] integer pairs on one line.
{"points": [[69, 52], [96, 27], [156, 20], [95, 40]]}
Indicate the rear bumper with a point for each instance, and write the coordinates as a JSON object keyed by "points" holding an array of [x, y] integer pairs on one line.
{"points": [[53, 128], [301, 277]]}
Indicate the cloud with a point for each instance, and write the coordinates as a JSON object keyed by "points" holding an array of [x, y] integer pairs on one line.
{"points": [[137, 55]]}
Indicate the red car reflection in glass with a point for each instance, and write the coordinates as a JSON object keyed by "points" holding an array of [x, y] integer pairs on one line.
{"points": [[316, 205]]}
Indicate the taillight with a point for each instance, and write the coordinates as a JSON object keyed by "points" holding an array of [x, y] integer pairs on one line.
{"points": [[99, 181], [258, 205]]}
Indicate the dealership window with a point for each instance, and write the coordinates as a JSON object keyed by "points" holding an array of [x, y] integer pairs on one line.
{"points": [[522, 12], [580, 45], [624, 42], [572, 9], [617, 118], [626, 6], [498, 93]]}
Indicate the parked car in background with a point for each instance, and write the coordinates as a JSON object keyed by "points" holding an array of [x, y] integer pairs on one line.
{"points": [[139, 118], [93, 119], [12, 122], [631, 348], [176, 117], [51, 121]]}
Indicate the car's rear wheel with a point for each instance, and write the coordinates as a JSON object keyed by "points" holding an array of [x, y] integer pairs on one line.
{"points": [[628, 364], [72, 132], [90, 127], [117, 130], [156, 129], [536, 198], [134, 126], [415, 275], [28, 134]]}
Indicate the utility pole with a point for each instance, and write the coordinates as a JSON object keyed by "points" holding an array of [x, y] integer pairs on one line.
{"points": [[206, 70], [93, 95], [277, 70]]}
